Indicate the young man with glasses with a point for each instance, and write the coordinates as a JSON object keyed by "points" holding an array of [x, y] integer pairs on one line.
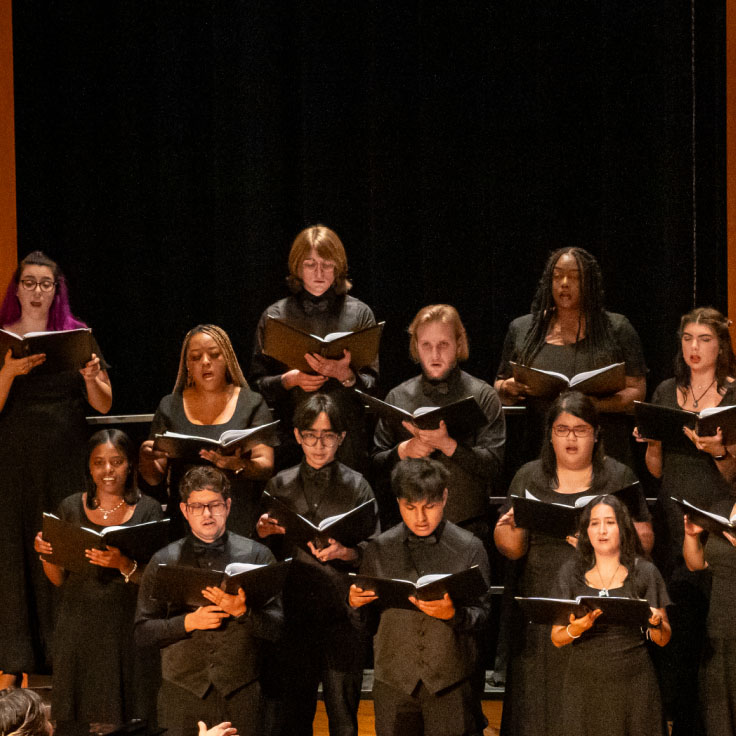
{"points": [[210, 656], [320, 644]]}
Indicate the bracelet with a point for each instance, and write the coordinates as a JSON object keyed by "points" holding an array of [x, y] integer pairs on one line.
{"points": [[570, 634], [722, 457], [655, 626], [130, 574]]}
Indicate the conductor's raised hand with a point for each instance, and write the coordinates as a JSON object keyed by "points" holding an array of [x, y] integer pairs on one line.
{"points": [[358, 597], [330, 368], [232, 604], [204, 618], [267, 525], [305, 381], [21, 366], [443, 608]]}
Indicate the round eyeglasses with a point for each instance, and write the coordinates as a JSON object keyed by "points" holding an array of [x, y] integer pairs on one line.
{"points": [[328, 439], [31, 284]]}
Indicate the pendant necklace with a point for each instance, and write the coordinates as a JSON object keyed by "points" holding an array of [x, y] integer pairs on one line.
{"points": [[108, 512], [695, 401], [603, 592]]}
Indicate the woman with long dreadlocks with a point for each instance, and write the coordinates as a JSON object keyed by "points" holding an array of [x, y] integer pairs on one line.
{"points": [[569, 331]]}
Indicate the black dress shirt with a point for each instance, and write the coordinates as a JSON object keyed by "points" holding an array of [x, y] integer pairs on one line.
{"points": [[476, 463], [411, 646], [315, 592], [225, 658], [319, 316]]}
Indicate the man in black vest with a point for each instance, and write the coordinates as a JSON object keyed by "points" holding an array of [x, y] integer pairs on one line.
{"points": [[424, 658], [209, 656]]}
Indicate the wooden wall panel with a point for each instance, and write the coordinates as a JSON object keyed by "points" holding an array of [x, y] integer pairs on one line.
{"points": [[8, 221]]}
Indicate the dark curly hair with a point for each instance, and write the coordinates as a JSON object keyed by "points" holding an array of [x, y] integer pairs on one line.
{"points": [[598, 333]]}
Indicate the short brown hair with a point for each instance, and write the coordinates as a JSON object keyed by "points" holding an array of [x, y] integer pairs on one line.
{"points": [[439, 313], [328, 246], [204, 478]]}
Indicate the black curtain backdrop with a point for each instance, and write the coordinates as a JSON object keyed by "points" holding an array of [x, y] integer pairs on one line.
{"points": [[169, 152]]}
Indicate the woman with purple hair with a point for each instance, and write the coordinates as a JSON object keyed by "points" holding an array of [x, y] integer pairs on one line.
{"points": [[42, 441]]}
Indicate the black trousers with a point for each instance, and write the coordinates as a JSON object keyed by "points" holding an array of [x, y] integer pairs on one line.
{"points": [[334, 656], [179, 710], [450, 712]]}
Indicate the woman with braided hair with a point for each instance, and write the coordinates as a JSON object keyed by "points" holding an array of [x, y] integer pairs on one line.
{"points": [[569, 331]]}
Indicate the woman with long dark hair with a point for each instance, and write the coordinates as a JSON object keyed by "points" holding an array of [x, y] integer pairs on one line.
{"points": [[698, 469], [569, 331], [95, 662], [43, 431], [573, 465], [609, 683]]}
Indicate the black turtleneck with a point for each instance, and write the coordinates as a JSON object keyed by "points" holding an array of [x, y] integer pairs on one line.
{"points": [[476, 463]]}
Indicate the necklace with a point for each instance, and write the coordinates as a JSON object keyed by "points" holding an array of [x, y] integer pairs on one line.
{"points": [[603, 592], [108, 512], [696, 400]]}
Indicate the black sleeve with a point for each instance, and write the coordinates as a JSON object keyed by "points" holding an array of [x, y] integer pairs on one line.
{"points": [[265, 372], [153, 628], [267, 622], [473, 618], [630, 346], [508, 353], [484, 458], [385, 443]]}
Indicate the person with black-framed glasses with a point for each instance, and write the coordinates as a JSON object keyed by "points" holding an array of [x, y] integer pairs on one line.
{"points": [[321, 644], [211, 656]]}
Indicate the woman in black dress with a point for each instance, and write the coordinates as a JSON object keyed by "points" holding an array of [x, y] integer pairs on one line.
{"points": [[210, 397], [569, 331], [320, 305], [99, 676], [610, 686], [697, 469], [573, 464], [718, 666], [43, 431]]}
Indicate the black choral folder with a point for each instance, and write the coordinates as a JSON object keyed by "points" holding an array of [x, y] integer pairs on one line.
{"points": [[181, 585], [69, 541], [349, 528], [187, 447], [65, 349], [560, 520], [665, 423], [600, 382], [289, 344], [461, 417], [556, 611], [464, 588], [707, 519]]}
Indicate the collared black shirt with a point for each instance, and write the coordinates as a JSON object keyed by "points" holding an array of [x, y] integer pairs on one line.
{"points": [[319, 316], [225, 658], [411, 646], [476, 463], [315, 592]]}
